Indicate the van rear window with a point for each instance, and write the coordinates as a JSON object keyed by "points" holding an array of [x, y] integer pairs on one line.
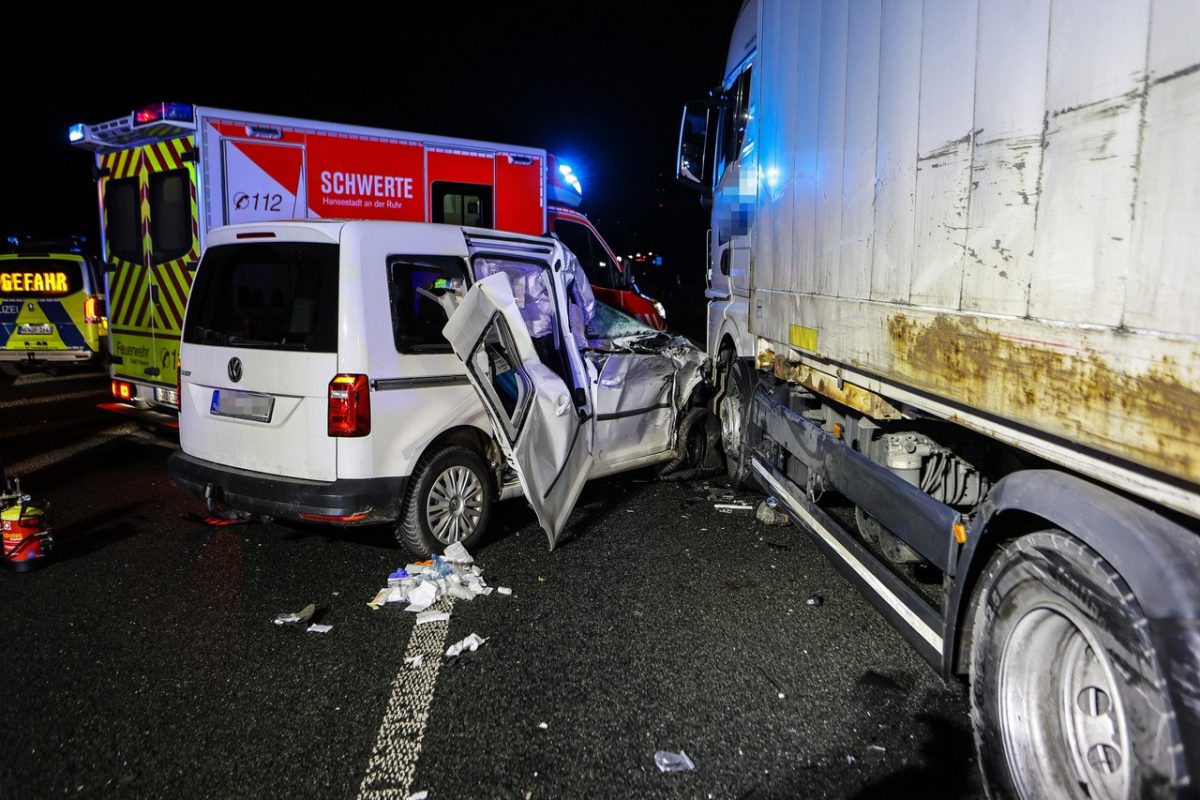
{"points": [[39, 277], [266, 295]]}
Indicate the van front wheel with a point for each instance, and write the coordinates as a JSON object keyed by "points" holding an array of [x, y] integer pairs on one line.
{"points": [[449, 499]]}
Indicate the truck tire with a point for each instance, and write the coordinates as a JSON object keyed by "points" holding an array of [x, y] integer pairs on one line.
{"points": [[1066, 689], [734, 413], [449, 499]]}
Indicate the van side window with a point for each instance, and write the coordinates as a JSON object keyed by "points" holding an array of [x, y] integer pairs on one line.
{"points": [[414, 283], [124, 228], [735, 114]]}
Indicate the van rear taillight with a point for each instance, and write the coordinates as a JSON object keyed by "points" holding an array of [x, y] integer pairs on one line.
{"points": [[349, 405], [91, 309], [122, 390]]}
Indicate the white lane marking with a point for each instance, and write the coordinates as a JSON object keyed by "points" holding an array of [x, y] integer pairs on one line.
{"points": [[398, 743], [43, 460], [916, 623], [51, 398]]}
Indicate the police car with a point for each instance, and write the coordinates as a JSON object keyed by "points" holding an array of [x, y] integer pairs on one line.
{"points": [[51, 306]]}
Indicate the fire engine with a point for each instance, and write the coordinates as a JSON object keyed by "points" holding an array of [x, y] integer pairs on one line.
{"points": [[168, 173]]}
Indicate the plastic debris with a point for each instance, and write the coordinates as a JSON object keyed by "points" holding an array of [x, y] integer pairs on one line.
{"points": [[421, 795], [415, 661], [504, 590], [432, 616], [729, 508], [721, 497], [320, 628], [422, 597], [667, 761], [457, 554], [768, 514], [544, 725], [815, 600], [420, 584], [298, 618], [471, 643]]}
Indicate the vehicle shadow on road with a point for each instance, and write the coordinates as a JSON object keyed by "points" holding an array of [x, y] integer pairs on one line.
{"points": [[948, 753]]}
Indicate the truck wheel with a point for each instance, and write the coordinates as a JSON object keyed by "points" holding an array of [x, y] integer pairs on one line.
{"points": [[449, 499], [734, 412], [1066, 695]]}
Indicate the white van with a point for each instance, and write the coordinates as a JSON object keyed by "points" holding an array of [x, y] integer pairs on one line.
{"points": [[316, 382]]}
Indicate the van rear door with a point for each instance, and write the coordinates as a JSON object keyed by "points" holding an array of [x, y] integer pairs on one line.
{"points": [[260, 349]]}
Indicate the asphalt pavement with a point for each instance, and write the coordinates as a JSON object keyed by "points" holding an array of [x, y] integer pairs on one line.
{"points": [[143, 661]]}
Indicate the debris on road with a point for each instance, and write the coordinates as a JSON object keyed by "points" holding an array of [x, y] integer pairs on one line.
{"points": [[544, 725], [729, 508], [504, 590], [768, 514], [421, 795], [673, 762], [721, 497], [815, 600], [471, 643], [415, 661], [320, 628], [432, 616], [457, 554], [219, 519], [297, 618], [423, 583], [421, 597]]}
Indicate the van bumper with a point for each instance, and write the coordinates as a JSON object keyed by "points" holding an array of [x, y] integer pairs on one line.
{"points": [[348, 501]]}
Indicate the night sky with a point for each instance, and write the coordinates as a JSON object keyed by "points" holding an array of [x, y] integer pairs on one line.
{"points": [[599, 84]]}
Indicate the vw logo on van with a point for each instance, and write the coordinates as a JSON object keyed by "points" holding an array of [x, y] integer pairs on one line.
{"points": [[235, 369]]}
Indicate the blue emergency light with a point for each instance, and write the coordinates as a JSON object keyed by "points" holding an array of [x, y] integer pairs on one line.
{"points": [[177, 112], [75, 133], [570, 177]]}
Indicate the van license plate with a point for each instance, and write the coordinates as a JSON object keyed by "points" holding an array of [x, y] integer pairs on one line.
{"points": [[34, 330], [241, 405], [166, 396]]}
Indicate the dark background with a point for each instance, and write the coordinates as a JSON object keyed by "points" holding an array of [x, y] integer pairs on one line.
{"points": [[599, 84]]}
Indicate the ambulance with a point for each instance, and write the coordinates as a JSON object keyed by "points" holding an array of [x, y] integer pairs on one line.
{"points": [[51, 306], [170, 172]]}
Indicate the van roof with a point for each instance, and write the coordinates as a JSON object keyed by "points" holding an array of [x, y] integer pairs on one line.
{"points": [[441, 237]]}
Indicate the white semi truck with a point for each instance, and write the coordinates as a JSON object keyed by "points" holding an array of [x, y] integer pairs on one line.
{"points": [[953, 289]]}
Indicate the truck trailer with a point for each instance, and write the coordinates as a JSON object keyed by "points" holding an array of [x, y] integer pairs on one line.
{"points": [[168, 173], [951, 288]]}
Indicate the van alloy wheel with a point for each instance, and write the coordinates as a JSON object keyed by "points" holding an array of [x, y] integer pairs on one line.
{"points": [[455, 504], [448, 499]]}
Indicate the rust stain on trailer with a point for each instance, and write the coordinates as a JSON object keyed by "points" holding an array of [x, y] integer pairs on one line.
{"points": [[1148, 417]]}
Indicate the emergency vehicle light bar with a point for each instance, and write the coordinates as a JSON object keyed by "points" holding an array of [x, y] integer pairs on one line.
{"points": [[153, 123], [563, 184], [178, 112]]}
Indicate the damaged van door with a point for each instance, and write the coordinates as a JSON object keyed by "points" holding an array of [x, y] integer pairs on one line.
{"points": [[511, 332]]}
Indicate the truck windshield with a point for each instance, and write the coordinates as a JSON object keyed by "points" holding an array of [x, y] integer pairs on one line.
{"points": [[275, 296]]}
